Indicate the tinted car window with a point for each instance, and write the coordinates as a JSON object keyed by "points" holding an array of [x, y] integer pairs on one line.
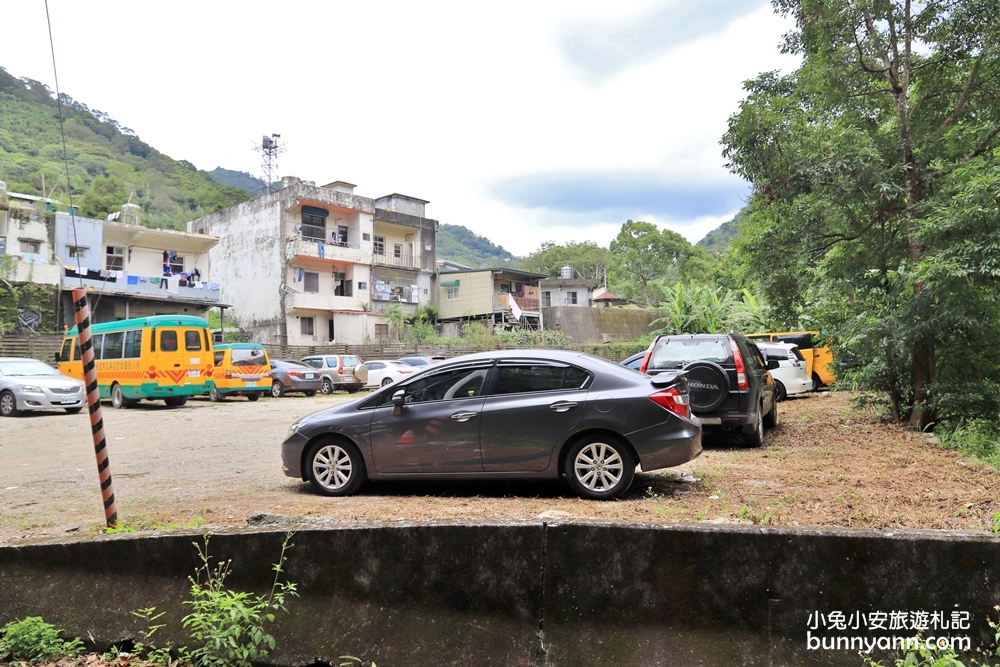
{"points": [[676, 353], [133, 344], [252, 357], [315, 363], [220, 355], [168, 340], [457, 383], [113, 344], [376, 366], [525, 378], [192, 341]]}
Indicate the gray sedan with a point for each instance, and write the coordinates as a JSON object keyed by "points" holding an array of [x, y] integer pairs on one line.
{"points": [[512, 414], [29, 384]]}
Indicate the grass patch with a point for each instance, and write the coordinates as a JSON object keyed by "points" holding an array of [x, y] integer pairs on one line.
{"points": [[977, 437]]}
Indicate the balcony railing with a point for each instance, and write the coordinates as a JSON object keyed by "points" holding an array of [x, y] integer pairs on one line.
{"points": [[154, 287], [404, 261], [301, 246], [322, 301], [526, 304]]}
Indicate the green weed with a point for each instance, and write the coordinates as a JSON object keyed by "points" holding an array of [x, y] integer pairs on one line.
{"points": [[34, 640]]}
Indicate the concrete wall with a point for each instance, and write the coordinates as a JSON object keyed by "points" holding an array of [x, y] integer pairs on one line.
{"points": [[88, 235], [599, 325], [525, 593]]}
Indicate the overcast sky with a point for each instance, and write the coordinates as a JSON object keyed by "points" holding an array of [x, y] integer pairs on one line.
{"points": [[523, 121]]}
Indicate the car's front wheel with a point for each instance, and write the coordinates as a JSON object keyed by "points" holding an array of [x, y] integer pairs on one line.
{"points": [[599, 468], [335, 468], [386, 382], [8, 405], [327, 387]]}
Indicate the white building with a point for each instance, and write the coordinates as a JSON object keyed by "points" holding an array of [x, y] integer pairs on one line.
{"points": [[310, 265]]}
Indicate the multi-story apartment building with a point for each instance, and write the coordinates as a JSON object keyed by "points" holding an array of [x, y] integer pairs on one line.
{"points": [[309, 265], [26, 238]]}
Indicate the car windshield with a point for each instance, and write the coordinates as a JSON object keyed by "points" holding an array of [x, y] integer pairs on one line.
{"points": [[677, 353], [25, 368]]}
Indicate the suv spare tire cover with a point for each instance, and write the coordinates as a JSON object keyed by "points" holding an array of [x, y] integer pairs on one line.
{"points": [[361, 373], [709, 385]]}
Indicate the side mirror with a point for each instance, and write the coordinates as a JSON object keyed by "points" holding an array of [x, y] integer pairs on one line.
{"points": [[399, 398], [57, 356], [773, 364]]}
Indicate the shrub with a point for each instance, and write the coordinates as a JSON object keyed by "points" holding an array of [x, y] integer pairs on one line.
{"points": [[34, 640]]}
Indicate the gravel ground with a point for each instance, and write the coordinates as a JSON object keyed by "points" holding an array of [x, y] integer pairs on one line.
{"points": [[213, 464]]}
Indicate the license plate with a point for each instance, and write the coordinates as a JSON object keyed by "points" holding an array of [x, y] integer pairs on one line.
{"points": [[310, 376], [194, 374], [250, 384], [67, 399]]}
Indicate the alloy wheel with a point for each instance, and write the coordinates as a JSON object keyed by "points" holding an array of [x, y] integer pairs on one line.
{"points": [[332, 467], [598, 467]]}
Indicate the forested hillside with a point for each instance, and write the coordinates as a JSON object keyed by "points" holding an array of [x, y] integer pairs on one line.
{"points": [[717, 241], [459, 244], [108, 163], [249, 183]]}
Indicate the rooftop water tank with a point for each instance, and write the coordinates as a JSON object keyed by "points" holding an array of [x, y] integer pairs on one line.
{"points": [[566, 273]]}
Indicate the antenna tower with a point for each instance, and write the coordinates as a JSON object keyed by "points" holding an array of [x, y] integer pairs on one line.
{"points": [[269, 150]]}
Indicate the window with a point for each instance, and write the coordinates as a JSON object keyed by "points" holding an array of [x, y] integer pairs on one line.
{"points": [[341, 237], [379, 248], [375, 365], [192, 341], [66, 349], [342, 286], [220, 356], [525, 378], [546, 299], [366, 237], [115, 260], [458, 383], [97, 343], [306, 325], [313, 227], [176, 264], [32, 247], [571, 298], [310, 282], [133, 344], [113, 344], [251, 357], [168, 340], [314, 362], [77, 251], [381, 332], [452, 293], [362, 286], [397, 250]]}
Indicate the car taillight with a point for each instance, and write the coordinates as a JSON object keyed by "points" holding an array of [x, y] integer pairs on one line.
{"points": [[645, 361], [672, 399], [741, 370], [296, 374], [340, 365], [405, 372], [229, 374]]}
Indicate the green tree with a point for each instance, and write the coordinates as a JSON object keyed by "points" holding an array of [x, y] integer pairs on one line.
{"points": [[641, 254], [105, 195], [586, 257], [856, 159]]}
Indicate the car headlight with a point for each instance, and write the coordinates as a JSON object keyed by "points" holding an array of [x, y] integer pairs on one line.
{"points": [[293, 429], [30, 389]]}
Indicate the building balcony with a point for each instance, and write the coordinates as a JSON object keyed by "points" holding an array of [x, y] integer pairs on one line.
{"points": [[317, 249], [319, 301], [398, 261], [524, 303], [157, 288]]}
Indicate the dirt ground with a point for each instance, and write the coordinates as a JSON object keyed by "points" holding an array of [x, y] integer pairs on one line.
{"points": [[211, 465]]}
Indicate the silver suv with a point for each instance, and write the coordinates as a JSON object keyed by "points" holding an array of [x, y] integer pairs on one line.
{"points": [[339, 371]]}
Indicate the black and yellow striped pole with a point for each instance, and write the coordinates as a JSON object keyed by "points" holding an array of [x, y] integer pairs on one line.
{"points": [[82, 308]]}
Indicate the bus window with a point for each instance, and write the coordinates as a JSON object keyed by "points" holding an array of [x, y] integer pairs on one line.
{"points": [[220, 356], [113, 344], [98, 342], [133, 344], [168, 340], [67, 347], [192, 341]]}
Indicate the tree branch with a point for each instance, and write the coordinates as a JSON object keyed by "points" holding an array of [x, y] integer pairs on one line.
{"points": [[964, 97]]}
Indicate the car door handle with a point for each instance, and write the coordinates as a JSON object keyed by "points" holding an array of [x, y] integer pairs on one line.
{"points": [[463, 416], [562, 406]]}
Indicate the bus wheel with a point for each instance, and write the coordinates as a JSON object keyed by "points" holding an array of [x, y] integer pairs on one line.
{"points": [[214, 395], [118, 398], [253, 396], [175, 401]]}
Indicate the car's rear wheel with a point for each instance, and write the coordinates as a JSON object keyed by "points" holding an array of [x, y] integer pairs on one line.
{"points": [[755, 438], [73, 411], [309, 393], [335, 468], [386, 381], [599, 467], [780, 393], [327, 387], [771, 418], [8, 405], [118, 400], [277, 390], [214, 395], [816, 382], [253, 396], [175, 401]]}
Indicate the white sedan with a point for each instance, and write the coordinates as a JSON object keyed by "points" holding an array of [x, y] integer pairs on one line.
{"points": [[382, 372], [29, 384], [790, 376]]}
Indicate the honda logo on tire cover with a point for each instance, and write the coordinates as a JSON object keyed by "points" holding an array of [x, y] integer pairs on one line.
{"points": [[703, 385]]}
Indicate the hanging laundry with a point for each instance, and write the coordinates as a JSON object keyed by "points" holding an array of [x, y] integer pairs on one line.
{"points": [[322, 249], [173, 285], [133, 280], [302, 275]]}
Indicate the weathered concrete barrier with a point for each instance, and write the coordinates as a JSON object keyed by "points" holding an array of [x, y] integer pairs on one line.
{"points": [[530, 593]]}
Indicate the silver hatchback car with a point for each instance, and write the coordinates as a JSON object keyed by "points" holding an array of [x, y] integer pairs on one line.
{"points": [[29, 384]]}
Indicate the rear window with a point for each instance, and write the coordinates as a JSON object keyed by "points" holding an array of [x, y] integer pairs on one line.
{"points": [[252, 357], [678, 352], [351, 360], [168, 340], [192, 341], [798, 355]]}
